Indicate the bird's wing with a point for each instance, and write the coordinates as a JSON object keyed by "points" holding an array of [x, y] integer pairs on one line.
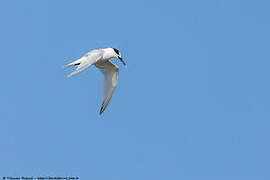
{"points": [[111, 74], [85, 62]]}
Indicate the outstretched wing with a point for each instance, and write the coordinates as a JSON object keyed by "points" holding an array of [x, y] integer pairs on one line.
{"points": [[111, 74], [85, 62]]}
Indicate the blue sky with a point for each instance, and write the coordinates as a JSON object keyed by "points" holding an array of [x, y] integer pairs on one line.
{"points": [[193, 103]]}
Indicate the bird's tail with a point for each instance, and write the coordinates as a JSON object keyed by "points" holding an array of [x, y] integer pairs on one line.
{"points": [[75, 63]]}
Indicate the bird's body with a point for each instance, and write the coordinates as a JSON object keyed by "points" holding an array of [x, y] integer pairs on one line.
{"points": [[101, 59]]}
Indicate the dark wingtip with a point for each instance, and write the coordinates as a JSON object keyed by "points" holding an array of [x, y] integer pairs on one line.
{"points": [[101, 109], [100, 112]]}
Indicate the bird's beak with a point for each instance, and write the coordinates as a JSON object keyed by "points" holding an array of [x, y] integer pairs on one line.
{"points": [[119, 57]]}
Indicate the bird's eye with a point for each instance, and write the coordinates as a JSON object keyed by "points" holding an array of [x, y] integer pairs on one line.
{"points": [[116, 51]]}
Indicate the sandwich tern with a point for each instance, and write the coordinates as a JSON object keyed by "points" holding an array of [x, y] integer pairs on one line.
{"points": [[101, 59]]}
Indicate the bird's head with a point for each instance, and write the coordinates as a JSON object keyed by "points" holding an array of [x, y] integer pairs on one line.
{"points": [[117, 54]]}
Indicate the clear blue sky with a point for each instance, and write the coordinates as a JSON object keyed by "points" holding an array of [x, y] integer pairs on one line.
{"points": [[193, 103]]}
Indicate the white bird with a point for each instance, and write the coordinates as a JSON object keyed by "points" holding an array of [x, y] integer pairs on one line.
{"points": [[101, 59]]}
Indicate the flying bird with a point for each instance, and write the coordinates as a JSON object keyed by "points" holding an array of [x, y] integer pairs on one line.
{"points": [[101, 59]]}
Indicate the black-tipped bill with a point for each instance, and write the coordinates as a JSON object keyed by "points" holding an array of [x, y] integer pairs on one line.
{"points": [[122, 60]]}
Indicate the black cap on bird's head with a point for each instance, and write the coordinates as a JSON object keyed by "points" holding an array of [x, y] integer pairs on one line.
{"points": [[119, 55]]}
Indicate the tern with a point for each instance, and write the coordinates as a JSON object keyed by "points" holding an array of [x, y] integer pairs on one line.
{"points": [[101, 59]]}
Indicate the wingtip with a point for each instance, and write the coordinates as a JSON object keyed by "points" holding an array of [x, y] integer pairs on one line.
{"points": [[101, 109]]}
